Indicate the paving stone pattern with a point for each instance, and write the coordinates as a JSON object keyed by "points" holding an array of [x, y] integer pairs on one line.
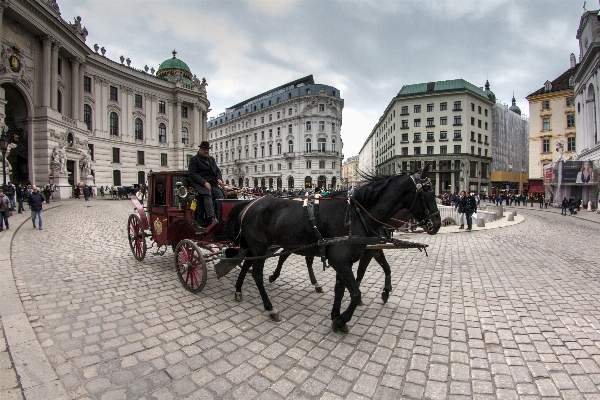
{"points": [[9, 384], [504, 313]]}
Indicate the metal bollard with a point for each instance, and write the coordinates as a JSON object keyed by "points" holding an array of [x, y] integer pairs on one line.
{"points": [[510, 217], [480, 222]]}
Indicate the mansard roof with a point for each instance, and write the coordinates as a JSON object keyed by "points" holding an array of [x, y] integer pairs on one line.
{"points": [[441, 86], [558, 84]]}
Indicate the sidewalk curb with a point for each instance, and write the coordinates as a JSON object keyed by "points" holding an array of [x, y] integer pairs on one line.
{"points": [[578, 215], [35, 373]]}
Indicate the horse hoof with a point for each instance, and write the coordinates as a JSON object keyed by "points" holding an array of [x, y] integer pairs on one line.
{"points": [[238, 297], [385, 296], [272, 279], [318, 288], [274, 316], [337, 329]]}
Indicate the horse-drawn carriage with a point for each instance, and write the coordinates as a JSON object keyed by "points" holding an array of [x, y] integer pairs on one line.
{"points": [[248, 232]]}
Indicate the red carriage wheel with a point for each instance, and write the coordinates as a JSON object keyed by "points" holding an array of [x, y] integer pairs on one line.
{"points": [[137, 238], [190, 265]]}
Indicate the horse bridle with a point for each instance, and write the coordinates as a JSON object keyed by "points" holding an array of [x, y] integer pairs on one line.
{"points": [[423, 185]]}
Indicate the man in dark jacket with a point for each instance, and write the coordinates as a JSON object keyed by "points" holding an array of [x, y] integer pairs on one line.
{"points": [[470, 208], [21, 197], [206, 178], [35, 202], [9, 191]]}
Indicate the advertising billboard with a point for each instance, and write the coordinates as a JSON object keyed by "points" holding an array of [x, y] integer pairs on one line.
{"points": [[581, 172], [548, 175]]}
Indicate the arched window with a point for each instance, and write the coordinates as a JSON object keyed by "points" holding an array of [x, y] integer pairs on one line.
{"points": [[255, 152], [278, 148], [262, 183], [321, 145], [322, 182], [185, 138], [291, 146], [116, 177], [270, 149], [114, 124], [246, 153], [59, 101], [255, 182], [162, 133], [308, 182], [333, 183], [290, 182], [87, 116], [332, 144], [139, 129], [262, 151], [271, 183], [308, 145]]}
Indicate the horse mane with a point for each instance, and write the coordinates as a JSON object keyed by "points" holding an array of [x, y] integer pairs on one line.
{"points": [[368, 194]]}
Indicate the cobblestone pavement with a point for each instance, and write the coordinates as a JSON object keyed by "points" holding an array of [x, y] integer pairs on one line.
{"points": [[501, 313]]}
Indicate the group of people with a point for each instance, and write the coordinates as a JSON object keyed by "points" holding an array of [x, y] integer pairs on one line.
{"points": [[466, 205], [572, 204], [20, 193], [80, 189]]}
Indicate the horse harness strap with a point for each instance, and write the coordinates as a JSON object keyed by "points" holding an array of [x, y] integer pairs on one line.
{"points": [[245, 211], [312, 209]]}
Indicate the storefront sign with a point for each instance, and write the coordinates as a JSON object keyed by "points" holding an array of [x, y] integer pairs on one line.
{"points": [[548, 175]]}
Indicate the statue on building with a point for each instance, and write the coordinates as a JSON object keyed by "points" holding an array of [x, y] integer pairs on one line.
{"points": [[203, 85], [78, 29], [85, 163], [59, 159]]}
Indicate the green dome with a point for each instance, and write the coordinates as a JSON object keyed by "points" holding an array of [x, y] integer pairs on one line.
{"points": [[170, 66]]}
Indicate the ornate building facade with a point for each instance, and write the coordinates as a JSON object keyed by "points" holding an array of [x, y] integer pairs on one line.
{"points": [[78, 116], [350, 172], [288, 137]]}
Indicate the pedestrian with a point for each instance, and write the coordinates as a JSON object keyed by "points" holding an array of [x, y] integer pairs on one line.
{"points": [[470, 209], [460, 207], [564, 205], [541, 201], [20, 197], [5, 211], [47, 193], [101, 191], [87, 192], [9, 191], [545, 202], [35, 203]]}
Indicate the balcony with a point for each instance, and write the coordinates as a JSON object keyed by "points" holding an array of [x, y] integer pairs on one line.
{"points": [[457, 124], [457, 109], [404, 127], [404, 113], [321, 153], [288, 155]]}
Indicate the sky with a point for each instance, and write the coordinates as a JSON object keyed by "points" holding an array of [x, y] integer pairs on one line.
{"points": [[366, 49]]}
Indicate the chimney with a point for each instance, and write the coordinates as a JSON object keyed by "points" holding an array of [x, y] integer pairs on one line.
{"points": [[572, 60]]}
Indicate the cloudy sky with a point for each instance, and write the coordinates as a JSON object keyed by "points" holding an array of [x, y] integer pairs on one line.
{"points": [[366, 49]]}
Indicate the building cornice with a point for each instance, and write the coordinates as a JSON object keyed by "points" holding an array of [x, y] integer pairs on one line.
{"points": [[551, 95]]}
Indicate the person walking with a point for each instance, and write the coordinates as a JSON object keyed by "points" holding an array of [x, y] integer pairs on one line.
{"points": [[9, 191], [87, 192], [470, 209], [541, 201], [47, 193], [460, 207], [35, 202], [20, 197], [564, 205], [5, 211]]}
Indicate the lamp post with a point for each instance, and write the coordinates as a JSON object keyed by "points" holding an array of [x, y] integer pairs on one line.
{"points": [[4, 142]]}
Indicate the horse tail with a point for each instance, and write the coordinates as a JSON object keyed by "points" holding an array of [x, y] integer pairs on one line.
{"points": [[233, 223]]}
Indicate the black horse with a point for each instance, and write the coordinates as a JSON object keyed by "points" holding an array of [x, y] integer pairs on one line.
{"points": [[401, 218], [257, 225]]}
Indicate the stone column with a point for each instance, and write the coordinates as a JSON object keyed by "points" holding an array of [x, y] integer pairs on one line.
{"points": [[203, 124], [197, 125], [54, 76], [177, 126], [81, 93], [46, 71], [75, 88]]}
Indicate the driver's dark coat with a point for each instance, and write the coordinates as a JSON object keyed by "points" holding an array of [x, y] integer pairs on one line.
{"points": [[202, 170]]}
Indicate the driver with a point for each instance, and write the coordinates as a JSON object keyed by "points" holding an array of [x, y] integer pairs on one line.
{"points": [[206, 178], [160, 196]]}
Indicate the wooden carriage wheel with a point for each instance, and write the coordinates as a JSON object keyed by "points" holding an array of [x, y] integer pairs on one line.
{"points": [[190, 266], [137, 238]]}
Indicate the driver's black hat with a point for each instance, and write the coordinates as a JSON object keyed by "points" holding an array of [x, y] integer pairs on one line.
{"points": [[204, 145]]}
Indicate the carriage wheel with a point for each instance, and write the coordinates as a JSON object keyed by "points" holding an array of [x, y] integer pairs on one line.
{"points": [[190, 265], [137, 239]]}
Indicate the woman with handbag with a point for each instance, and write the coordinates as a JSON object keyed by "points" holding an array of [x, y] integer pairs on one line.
{"points": [[5, 211]]}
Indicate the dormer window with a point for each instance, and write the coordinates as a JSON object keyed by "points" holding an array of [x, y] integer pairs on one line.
{"points": [[548, 86]]}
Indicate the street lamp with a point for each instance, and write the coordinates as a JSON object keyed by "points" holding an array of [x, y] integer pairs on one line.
{"points": [[4, 143]]}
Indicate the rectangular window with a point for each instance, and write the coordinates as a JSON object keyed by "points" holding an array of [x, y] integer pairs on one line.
{"points": [[545, 124], [443, 106], [478, 109], [486, 150], [321, 164], [308, 125], [457, 120], [333, 127], [405, 151], [472, 149], [418, 108], [404, 110], [479, 138], [417, 123], [262, 120], [270, 117], [116, 155], [404, 124], [405, 137], [308, 164], [163, 160], [472, 136], [87, 84], [278, 114], [162, 109], [457, 135], [570, 120], [188, 158], [321, 125], [289, 111], [417, 137], [278, 167], [430, 107], [430, 122], [443, 149], [91, 150], [485, 126], [290, 128], [473, 107], [486, 140], [546, 145], [443, 135], [321, 107], [417, 151], [546, 105], [429, 149], [571, 144], [289, 165], [140, 158], [457, 149], [457, 106], [472, 121], [138, 100], [479, 123], [430, 137], [485, 111], [443, 120], [184, 112], [114, 94]]}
